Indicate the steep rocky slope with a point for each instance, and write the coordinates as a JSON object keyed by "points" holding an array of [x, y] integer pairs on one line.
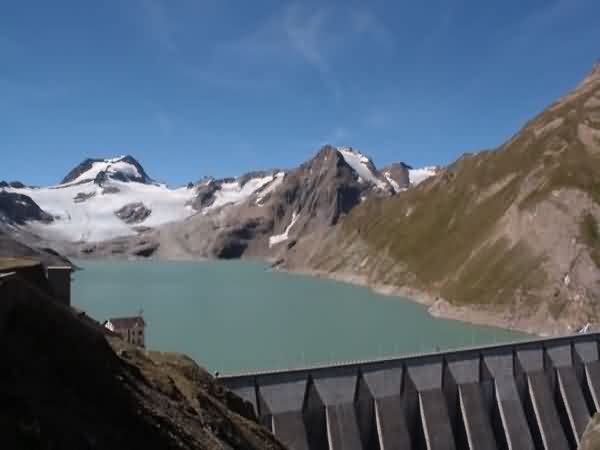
{"points": [[63, 386], [15, 242], [508, 236], [312, 197], [19, 209]]}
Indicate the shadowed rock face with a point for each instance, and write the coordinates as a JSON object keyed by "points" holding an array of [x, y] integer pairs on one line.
{"points": [[133, 213], [205, 195], [10, 246], [12, 184], [313, 197], [398, 172], [83, 196], [254, 174], [56, 363], [19, 208], [234, 242]]}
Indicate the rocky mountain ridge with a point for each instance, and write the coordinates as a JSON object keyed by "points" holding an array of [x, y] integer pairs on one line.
{"points": [[122, 168], [111, 207]]}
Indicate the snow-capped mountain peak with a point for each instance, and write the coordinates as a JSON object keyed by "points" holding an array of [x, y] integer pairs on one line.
{"points": [[392, 176], [123, 168], [419, 175], [101, 199], [363, 166]]}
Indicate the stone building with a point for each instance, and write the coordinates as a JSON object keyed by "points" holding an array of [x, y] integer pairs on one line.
{"points": [[54, 281], [131, 329]]}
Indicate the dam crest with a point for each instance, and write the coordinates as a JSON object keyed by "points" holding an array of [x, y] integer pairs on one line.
{"points": [[537, 394]]}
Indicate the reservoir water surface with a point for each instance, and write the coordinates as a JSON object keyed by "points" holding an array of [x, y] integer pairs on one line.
{"points": [[239, 316]]}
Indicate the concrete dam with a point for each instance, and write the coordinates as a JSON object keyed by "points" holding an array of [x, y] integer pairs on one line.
{"points": [[537, 394]]}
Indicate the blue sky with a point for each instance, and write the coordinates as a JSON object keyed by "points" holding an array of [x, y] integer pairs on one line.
{"points": [[219, 87]]}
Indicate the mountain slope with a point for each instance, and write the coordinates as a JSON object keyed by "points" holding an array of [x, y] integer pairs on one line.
{"points": [[63, 386], [313, 196], [19, 209], [15, 242], [511, 230]]}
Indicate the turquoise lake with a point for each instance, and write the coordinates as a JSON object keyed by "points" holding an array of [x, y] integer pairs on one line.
{"points": [[239, 316]]}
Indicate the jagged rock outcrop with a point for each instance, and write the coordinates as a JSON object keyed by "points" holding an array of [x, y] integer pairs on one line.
{"points": [[19, 209], [233, 241], [133, 213], [205, 194], [312, 197], [13, 184], [124, 168], [398, 175], [83, 196]]}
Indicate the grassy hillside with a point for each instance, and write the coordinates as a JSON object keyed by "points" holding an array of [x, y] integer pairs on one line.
{"points": [[498, 228]]}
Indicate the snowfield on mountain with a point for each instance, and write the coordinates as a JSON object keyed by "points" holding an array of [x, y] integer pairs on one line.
{"points": [[86, 212], [112, 208]]}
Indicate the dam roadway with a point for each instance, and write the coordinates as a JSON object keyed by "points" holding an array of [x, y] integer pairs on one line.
{"points": [[537, 394]]}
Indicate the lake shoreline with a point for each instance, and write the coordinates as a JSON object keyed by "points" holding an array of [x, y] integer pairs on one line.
{"points": [[439, 307], [436, 306], [236, 316]]}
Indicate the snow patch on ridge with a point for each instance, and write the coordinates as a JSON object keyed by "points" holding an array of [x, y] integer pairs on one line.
{"points": [[417, 176], [360, 164], [270, 188], [110, 166], [94, 219], [393, 182], [278, 238], [233, 192]]}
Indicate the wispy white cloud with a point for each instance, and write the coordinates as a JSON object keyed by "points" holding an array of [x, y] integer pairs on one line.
{"points": [[296, 34], [158, 23], [364, 21], [291, 34], [304, 33]]}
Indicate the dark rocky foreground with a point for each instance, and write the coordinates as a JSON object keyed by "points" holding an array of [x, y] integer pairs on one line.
{"points": [[19, 208], [12, 243], [65, 385]]}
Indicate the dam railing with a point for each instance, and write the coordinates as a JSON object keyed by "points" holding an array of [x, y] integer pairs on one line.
{"points": [[534, 394]]}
